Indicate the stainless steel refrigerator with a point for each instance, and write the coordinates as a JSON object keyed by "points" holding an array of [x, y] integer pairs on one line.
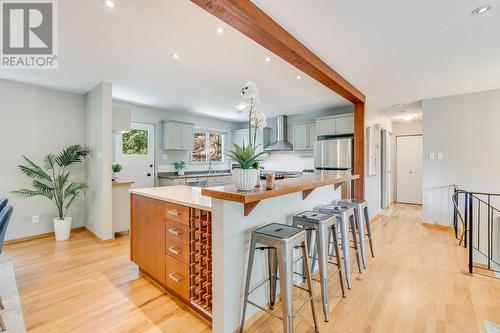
{"points": [[334, 154]]}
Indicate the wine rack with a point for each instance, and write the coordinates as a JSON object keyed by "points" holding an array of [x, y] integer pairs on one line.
{"points": [[200, 259]]}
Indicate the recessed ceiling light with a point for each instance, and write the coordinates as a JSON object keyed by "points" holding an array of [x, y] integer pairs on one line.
{"points": [[408, 116], [109, 3], [220, 30], [239, 106], [298, 77], [175, 55], [481, 10], [267, 59]]}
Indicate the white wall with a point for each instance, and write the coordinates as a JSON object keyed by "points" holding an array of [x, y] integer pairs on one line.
{"points": [[36, 121], [373, 183], [400, 128], [98, 127], [465, 129], [165, 159]]}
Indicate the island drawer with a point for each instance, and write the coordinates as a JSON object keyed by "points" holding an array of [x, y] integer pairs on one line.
{"points": [[177, 249], [177, 276], [177, 213], [177, 232]]}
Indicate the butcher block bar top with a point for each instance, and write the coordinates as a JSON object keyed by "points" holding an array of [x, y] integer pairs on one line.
{"points": [[305, 184]]}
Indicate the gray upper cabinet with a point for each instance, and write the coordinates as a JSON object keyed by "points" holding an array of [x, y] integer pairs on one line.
{"points": [[303, 136], [177, 135], [335, 125]]}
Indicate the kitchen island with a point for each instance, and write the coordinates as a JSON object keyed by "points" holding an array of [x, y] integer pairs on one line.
{"points": [[202, 236]]}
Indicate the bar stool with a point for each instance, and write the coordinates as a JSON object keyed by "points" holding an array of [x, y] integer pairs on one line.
{"points": [[345, 218], [323, 225], [280, 240], [361, 209]]}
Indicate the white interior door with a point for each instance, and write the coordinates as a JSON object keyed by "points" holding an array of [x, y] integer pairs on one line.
{"points": [[135, 151], [409, 152]]}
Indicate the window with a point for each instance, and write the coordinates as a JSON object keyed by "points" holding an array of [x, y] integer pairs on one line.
{"points": [[135, 142], [208, 147]]}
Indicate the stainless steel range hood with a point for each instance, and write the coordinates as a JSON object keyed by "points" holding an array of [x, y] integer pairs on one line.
{"points": [[281, 142]]}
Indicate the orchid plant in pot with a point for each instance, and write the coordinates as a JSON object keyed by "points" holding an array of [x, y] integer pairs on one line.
{"points": [[244, 179], [52, 181]]}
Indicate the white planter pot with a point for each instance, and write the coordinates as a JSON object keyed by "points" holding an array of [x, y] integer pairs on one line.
{"points": [[245, 179], [115, 176], [180, 172], [62, 228]]}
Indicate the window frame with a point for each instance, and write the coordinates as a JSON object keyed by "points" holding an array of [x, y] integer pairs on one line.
{"points": [[207, 133]]}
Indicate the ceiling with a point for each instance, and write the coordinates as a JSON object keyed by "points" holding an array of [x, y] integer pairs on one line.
{"points": [[132, 46], [399, 51]]}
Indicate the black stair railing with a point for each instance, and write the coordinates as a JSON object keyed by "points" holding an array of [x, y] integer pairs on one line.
{"points": [[476, 223]]}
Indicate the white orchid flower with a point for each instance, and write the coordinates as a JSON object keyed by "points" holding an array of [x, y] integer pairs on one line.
{"points": [[249, 91]]}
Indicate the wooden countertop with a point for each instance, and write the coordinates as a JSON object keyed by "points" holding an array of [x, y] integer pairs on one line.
{"points": [[122, 183], [179, 194], [305, 184]]}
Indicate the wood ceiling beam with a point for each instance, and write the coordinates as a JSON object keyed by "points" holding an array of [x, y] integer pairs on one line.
{"points": [[250, 20]]}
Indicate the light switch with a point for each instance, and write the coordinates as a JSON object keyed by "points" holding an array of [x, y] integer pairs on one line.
{"points": [[432, 156], [440, 156]]}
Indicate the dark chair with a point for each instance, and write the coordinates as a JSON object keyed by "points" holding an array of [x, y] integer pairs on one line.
{"points": [[5, 215], [3, 203]]}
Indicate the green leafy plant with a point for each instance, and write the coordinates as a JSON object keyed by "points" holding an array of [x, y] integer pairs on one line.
{"points": [[179, 165], [244, 155], [115, 167], [52, 181]]}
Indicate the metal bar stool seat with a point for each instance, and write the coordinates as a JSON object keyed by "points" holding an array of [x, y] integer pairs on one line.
{"points": [[364, 229], [279, 240], [346, 221], [323, 226]]}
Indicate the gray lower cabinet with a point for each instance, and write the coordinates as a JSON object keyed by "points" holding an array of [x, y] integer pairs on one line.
{"points": [[170, 182]]}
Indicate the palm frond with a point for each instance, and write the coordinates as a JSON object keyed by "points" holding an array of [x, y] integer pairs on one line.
{"points": [[49, 162], [75, 189], [26, 193], [70, 155], [34, 171]]}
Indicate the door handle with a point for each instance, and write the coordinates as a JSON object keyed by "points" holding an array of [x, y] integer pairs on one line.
{"points": [[148, 174], [176, 277], [174, 250], [174, 231], [174, 213]]}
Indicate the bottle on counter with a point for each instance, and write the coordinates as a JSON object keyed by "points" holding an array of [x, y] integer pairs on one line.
{"points": [[270, 178]]}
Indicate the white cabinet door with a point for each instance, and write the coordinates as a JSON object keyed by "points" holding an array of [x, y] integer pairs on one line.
{"points": [[299, 133], [326, 126], [409, 150], [344, 125], [187, 137], [311, 136]]}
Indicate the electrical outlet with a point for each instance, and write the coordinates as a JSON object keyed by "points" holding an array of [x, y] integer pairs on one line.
{"points": [[440, 156], [432, 156], [34, 219]]}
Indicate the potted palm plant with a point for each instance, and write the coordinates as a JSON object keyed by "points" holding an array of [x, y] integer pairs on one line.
{"points": [[53, 182]]}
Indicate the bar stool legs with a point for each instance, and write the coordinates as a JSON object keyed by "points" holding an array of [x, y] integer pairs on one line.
{"points": [[368, 230], [280, 241], [337, 257]]}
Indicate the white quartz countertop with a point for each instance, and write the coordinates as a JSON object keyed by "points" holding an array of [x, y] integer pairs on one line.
{"points": [[182, 195]]}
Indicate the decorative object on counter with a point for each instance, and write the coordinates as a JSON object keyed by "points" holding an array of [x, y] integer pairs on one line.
{"points": [[244, 179], [270, 177], [52, 182], [179, 167], [116, 168]]}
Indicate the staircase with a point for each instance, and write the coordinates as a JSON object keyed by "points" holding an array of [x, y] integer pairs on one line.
{"points": [[476, 221]]}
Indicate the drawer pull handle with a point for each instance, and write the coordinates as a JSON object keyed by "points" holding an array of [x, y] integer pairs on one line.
{"points": [[174, 231], [176, 277], [174, 250], [174, 213]]}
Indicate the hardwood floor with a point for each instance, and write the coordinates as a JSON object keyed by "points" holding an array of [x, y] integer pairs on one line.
{"points": [[414, 284]]}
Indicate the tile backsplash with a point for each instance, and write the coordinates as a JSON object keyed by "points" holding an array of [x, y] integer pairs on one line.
{"points": [[289, 161]]}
